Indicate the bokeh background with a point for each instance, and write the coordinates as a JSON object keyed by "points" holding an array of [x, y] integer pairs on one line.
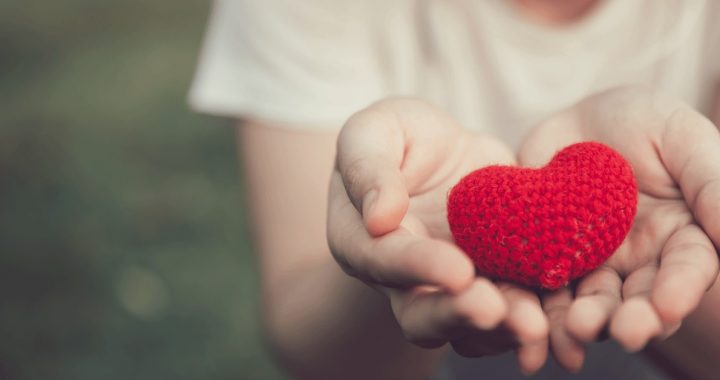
{"points": [[124, 245]]}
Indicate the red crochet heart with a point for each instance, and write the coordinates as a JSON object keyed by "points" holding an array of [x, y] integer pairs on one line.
{"points": [[545, 227]]}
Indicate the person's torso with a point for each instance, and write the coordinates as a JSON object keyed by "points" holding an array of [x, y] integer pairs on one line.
{"points": [[497, 71]]}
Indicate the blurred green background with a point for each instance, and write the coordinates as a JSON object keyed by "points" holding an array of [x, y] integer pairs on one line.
{"points": [[125, 250]]}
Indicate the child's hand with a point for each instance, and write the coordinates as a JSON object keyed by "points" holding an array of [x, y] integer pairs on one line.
{"points": [[667, 262], [387, 226]]}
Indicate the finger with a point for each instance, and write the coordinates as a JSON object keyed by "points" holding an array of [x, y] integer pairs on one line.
{"points": [[532, 356], [690, 149], [568, 351], [636, 321], [597, 296], [525, 317], [527, 321], [688, 268], [370, 151], [639, 283], [430, 317], [397, 259]]}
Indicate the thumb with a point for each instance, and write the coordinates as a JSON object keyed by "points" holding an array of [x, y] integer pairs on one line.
{"points": [[370, 151]]}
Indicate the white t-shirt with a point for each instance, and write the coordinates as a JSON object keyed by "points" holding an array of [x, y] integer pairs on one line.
{"points": [[312, 63]]}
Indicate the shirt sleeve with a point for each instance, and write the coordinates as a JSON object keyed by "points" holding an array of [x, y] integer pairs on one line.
{"points": [[307, 64]]}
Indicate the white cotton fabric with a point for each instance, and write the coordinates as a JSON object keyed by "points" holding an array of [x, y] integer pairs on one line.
{"points": [[312, 63]]}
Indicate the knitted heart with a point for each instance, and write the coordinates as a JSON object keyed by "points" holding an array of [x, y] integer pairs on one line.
{"points": [[545, 227]]}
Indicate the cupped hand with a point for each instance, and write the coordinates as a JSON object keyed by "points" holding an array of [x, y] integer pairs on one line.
{"points": [[387, 226], [669, 258]]}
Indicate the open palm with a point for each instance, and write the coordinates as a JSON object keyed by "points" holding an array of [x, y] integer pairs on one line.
{"points": [[668, 260], [387, 225]]}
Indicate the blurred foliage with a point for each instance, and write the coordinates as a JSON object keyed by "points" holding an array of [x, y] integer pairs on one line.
{"points": [[123, 236]]}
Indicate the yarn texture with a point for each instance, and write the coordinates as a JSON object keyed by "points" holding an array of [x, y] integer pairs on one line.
{"points": [[545, 227]]}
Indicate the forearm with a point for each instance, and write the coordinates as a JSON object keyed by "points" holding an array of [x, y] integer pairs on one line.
{"points": [[321, 323], [327, 325]]}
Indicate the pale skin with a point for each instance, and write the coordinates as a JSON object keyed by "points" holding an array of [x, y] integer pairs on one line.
{"points": [[314, 312], [301, 278], [326, 324], [663, 268], [397, 242]]}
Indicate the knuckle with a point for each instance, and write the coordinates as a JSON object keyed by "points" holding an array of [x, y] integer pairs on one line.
{"points": [[556, 312], [462, 311], [354, 177], [606, 295]]}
